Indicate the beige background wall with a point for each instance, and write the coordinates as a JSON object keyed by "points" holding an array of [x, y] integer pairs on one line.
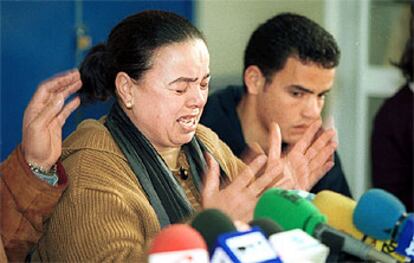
{"points": [[227, 25]]}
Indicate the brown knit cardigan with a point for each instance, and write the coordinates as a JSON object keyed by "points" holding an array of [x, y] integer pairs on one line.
{"points": [[104, 215]]}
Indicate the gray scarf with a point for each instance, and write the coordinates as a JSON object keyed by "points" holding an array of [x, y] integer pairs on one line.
{"points": [[164, 192]]}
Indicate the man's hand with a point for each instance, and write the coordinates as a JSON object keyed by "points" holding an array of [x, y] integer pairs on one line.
{"points": [[310, 159], [45, 116], [305, 163]]}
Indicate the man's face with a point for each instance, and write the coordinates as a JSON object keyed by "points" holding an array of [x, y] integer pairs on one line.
{"points": [[294, 98]]}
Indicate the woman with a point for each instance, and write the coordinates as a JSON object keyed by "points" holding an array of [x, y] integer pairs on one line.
{"points": [[140, 167]]}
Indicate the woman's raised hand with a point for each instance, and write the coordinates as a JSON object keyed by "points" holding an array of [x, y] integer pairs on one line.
{"points": [[45, 116]]}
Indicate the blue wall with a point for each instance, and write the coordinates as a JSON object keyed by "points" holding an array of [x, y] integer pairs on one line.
{"points": [[38, 40]]}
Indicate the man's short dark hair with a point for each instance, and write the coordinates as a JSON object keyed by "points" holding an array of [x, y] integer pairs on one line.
{"points": [[286, 35]]}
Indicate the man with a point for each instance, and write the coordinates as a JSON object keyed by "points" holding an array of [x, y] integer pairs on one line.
{"points": [[289, 67], [31, 178]]}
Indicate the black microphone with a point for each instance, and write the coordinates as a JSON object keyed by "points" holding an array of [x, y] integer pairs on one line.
{"points": [[268, 226], [211, 223]]}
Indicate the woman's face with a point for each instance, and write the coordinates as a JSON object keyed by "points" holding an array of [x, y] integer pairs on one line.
{"points": [[169, 99]]}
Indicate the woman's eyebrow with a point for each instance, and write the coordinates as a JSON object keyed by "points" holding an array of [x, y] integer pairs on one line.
{"points": [[186, 79]]}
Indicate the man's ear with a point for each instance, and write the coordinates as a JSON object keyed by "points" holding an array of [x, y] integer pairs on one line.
{"points": [[254, 79], [124, 85]]}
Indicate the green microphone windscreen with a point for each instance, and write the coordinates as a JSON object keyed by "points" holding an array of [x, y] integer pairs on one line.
{"points": [[289, 210], [211, 223]]}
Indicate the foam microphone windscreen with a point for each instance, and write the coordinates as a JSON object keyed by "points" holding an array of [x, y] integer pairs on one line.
{"points": [[268, 226], [377, 213], [178, 243], [289, 210], [211, 223], [339, 210]]}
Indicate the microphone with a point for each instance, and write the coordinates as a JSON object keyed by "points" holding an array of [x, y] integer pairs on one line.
{"points": [[391, 220], [294, 245], [178, 243], [339, 211], [378, 213], [227, 244], [406, 238], [297, 246], [246, 246], [292, 211], [268, 226], [211, 223]]}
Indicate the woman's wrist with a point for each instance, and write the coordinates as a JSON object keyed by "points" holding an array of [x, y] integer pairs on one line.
{"points": [[36, 168], [43, 166], [50, 176]]}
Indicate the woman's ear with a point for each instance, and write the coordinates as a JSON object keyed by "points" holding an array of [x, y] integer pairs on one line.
{"points": [[124, 85], [254, 79]]}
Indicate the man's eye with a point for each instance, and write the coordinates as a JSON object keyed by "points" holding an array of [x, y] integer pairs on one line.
{"points": [[296, 94]]}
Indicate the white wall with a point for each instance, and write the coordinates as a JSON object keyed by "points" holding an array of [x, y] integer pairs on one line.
{"points": [[358, 80]]}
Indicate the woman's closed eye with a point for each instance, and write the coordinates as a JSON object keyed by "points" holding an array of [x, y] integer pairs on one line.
{"points": [[204, 85], [180, 91]]}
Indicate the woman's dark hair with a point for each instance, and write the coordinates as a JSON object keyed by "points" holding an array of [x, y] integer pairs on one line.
{"points": [[130, 48], [286, 35]]}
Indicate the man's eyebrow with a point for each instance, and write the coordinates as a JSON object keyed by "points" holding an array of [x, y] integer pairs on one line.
{"points": [[309, 91], [185, 79], [301, 88], [324, 92]]}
